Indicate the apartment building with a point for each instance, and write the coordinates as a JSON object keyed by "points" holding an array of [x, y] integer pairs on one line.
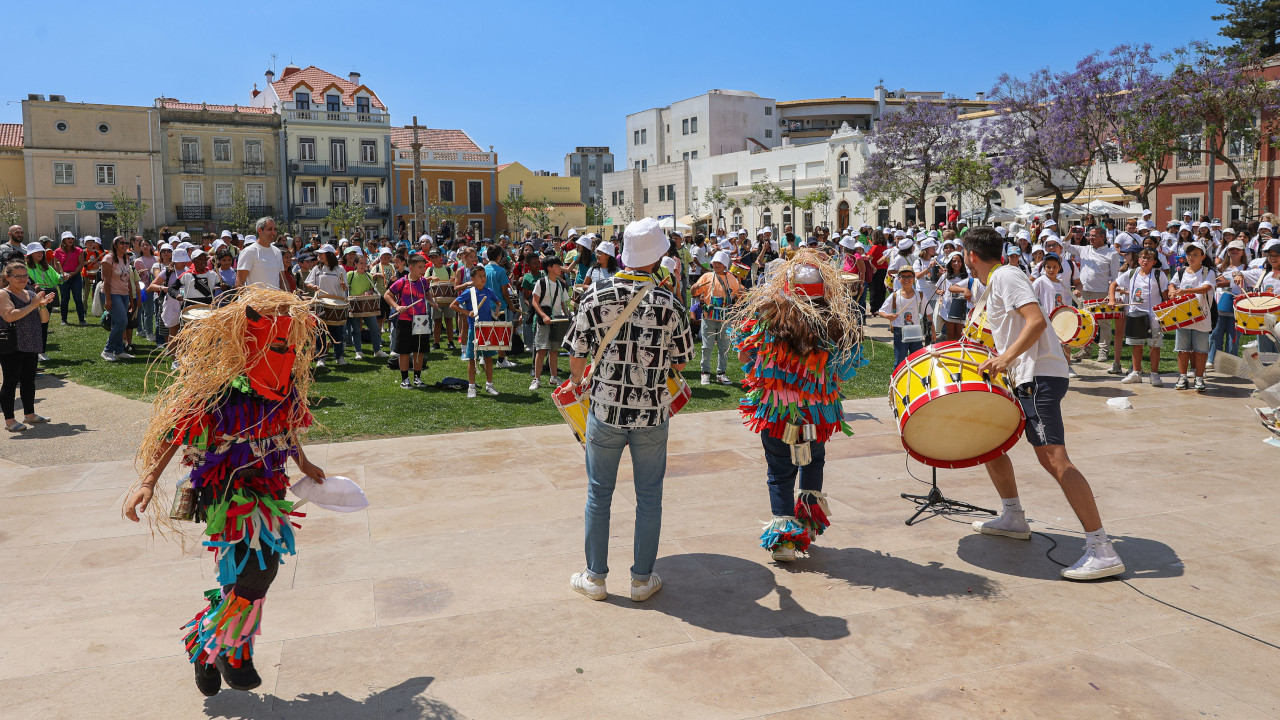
{"points": [[590, 164], [459, 180]]}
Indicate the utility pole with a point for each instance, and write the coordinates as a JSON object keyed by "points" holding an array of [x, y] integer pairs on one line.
{"points": [[419, 212]]}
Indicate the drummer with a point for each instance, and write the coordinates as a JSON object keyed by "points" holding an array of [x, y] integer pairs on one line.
{"points": [[1053, 292], [438, 272], [199, 283], [550, 302], [1192, 342], [166, 281], [408, 297], [1031, 354], [478, 303], [717, 290], [1266, 279], [328, 278]]}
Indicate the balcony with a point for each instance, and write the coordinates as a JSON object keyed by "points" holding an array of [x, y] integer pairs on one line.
{"points": [[324, 116], [447, 157], [360, 169], [190, 213], [309, 212], [192, 167], [258, 211], [255, 168]]}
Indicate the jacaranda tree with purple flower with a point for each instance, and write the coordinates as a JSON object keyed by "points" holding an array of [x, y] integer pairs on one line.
{"points": [[908, 149]]}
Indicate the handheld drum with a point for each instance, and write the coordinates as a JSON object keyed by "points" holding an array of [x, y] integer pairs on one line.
{"points": [[1252, 309], [1074, 328]]}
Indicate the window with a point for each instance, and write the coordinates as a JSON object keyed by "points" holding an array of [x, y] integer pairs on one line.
{"points": [[104, 128], [1185, 204], [369, 151], [446, 191], [646, 195], [684, 126], [475, 196], [192, 194], [608, 167], [686, 156], [339, 193], [362, 105], [253, 151], [768, 110], [787, 172], [613, 198], [939, 209], [65, 222], [909, 209], [693, 125], [222, 195], [106, 174], [737, 219], [516, 190], [190, 149], [757, 175], [591, 167], [575, 169], [671, 192], [1111, 152], [255, 195], [622, 197], [842, 173], [768, 133], [635, 140], [766, 220], [1189, 158], [842, 215], [591, 183], [644, 136], [882, 215], [338, 155], [64, 173], [1241, 142], [370, 191], [786, 214], [302, 100], [694, 155], [637, 164], [333, 105], [307, 149], [644, 166], [808, 221], [60, 126], [994, 198], [222, 150]]}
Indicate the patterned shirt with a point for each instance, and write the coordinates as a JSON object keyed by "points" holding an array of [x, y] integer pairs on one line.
{"points": [[412, 296], [629, 388]]}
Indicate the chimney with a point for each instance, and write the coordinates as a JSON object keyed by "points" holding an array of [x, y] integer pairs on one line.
{"points": [[271, 76], [980, 96], [354, 77]]}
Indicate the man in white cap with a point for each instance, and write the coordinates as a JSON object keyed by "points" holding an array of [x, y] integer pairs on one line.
{"points": [[261, 262], [716, 290], [630, 403], [1099, 267]]}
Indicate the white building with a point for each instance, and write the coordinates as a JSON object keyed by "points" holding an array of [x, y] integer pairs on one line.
{"points": [[714, 123]]}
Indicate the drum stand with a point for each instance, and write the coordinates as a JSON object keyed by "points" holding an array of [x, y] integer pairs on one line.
{"points": [[939, 504]]}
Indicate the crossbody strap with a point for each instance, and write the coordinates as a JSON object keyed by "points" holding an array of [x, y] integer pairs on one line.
{"points": [[621, 320]]}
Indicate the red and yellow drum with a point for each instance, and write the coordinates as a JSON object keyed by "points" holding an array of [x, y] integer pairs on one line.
{"points": [[1252, 310], [1074, 328], [1103, 309], [978, 331], [1181, 312], [493, 336], [949, 414]]}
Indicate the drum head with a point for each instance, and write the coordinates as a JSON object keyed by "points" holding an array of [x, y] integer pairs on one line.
{"points": [[1065, 323], [332, 302], [989, 421], [1259, 304]]}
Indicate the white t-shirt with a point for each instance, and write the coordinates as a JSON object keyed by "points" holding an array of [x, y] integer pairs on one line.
{"points": [[330, 282], [923, 284], [908, 310], [193, 292], [1206, 276], [1011, 289], [1142, 292], [1098, 266], [263, 263], [1270, 283], [1051, 294]]}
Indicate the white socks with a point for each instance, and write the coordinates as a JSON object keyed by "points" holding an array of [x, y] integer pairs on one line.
{"points": [[1011, 504], [1097, 537]]}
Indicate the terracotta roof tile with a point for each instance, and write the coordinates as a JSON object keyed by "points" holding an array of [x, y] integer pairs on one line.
{"points": [[434, 139], [10, 134], [171, 104], [318, 80], [504, 166]]}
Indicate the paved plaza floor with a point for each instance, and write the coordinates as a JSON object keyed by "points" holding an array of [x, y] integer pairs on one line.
{"points": [[449, 596]]}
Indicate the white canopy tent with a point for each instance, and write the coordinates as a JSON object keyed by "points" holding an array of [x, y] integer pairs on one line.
{"points": [[997, 214], [666, 224], [1102, 207]]}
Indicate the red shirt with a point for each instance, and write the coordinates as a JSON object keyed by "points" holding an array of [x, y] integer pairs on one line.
{"points": [[876, 254]]}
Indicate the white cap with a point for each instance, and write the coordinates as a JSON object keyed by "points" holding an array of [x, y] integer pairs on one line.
{"points": [[384, 251], [644, 243], [1186, 213], [250, 239], [1026, 234], [1216, 223], [1002, 231], [1235, 245], [166, 246], [424, 237], [962, 221], [928, 243], [327, 248], [584, 241], [1228, 229], [1264, 226], [225, 233], [67, 234], [848, 242], [353, 249], [181, 245], [905, 244], [742, 232], [1037, 248], [1045, 233], [196, 253], [1146, 213], [725, 245], [1050, 222], [607, 248], [1184, 226], [217, 244], [184, 235], [32, 248], [899, 234], [1199, 245], [180, 255], [1272, 244], [723, 258], [669, 263]]}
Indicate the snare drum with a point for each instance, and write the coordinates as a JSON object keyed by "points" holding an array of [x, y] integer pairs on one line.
{"points": [[852, 282], [1252, 310], [444, 292], [1074, 328], [950, 415], [741, 270], [492, 336], [363, 306], [717, 309], [978, 331], [331, 310], [1103, 309], [194, 312], [1180, 312]]}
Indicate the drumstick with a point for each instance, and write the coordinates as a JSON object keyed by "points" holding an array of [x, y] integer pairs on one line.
{"points": [[959, 361]]}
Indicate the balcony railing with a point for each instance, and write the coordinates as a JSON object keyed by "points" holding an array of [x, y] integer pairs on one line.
{"points": [[194, 212], [257, 211], [310, 212], [193, 167], [360, 169], [337, 117], [255, 168], [447, 156]]}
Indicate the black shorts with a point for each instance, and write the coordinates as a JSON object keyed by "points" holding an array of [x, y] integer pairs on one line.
{"points": [[406, 342], [1041, 402]]}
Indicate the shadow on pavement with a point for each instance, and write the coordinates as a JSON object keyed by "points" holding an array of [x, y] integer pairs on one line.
{"points": [[402, 701], [1142, 557]]}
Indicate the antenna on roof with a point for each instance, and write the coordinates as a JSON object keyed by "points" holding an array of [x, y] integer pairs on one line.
{"points": [[273, 62]]}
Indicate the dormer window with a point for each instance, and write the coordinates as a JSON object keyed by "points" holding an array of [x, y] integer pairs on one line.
{"points": [[362, 105], [333, 103], [302, 100]]}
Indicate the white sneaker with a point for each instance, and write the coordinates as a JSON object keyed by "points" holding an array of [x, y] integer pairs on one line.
{"points": [[109, 357], [641, 591], [784, 553], [505, 363], [535, 384], [724, 379], [471, 391], [320, 362], [359, 356], [342, 361], [1131, 378], [1072, 374], [124, 356], [1102, 356], [43, 357], [380, 354], [1099, 560], [1012, 524], [584, 585], [1208, 366], [555, 381], [1156, 381], [706, 378], [488, 387]]}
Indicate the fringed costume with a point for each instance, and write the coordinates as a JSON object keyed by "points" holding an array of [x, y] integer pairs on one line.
{"points": [[803, 337]]}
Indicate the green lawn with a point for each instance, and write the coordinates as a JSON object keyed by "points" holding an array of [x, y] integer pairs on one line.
{"points": [[363, 399]]}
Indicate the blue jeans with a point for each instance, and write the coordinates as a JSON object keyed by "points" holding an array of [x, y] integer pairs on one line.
{"points": [[648, 466], [119, 309], [370, 324], [70, 289], [147, 316], [782, 473], [1226, 337], [715, 335], [902, 349]]}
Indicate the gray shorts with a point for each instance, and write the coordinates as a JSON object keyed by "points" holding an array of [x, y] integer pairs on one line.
{"points": [[551, 335], [1188, 340]]}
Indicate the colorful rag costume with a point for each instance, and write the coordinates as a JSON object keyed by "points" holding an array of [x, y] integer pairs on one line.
{"points": [[793, 401]]}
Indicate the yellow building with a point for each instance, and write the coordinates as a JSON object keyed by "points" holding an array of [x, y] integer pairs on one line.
{"points": [[210, 153], [13, 179], [77, 154], [564, 195]]}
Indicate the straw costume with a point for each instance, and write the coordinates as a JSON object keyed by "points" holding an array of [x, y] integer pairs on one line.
{"points": [[800, 337], [234, 409]]}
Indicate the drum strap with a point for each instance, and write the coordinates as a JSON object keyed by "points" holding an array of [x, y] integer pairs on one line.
{"points": [[621, 320]]}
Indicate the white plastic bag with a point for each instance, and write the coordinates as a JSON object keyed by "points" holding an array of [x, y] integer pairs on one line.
{"points": [[1119, 403], [337, 493]]}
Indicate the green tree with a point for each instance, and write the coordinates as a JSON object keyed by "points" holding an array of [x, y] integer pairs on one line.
{"points": [[12, 210], [967, 175], [344, 216], [1251, 22], [454, 215], [596, 212], [129, 212], [237, 217], [513, 206]]}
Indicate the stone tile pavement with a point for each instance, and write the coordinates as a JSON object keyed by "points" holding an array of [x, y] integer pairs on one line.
{"points": [[448, 597]]}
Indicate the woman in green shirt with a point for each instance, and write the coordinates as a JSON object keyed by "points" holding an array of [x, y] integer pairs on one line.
{"points": [[46, 276], [361, 283]]}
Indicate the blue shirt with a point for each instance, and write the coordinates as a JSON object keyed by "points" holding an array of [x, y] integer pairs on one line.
{"points": [[486, 306], [496, 278]]}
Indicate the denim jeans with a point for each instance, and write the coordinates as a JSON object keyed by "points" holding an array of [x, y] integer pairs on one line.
{"points": [[119, 309], [782, 473], [715, 334], [902, 349], [70, 290], [648, 466], [147, 316], [1225, 336], [370, 324]]}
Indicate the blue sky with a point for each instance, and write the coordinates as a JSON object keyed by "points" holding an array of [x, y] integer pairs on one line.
{"points": [[535, 80]]}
